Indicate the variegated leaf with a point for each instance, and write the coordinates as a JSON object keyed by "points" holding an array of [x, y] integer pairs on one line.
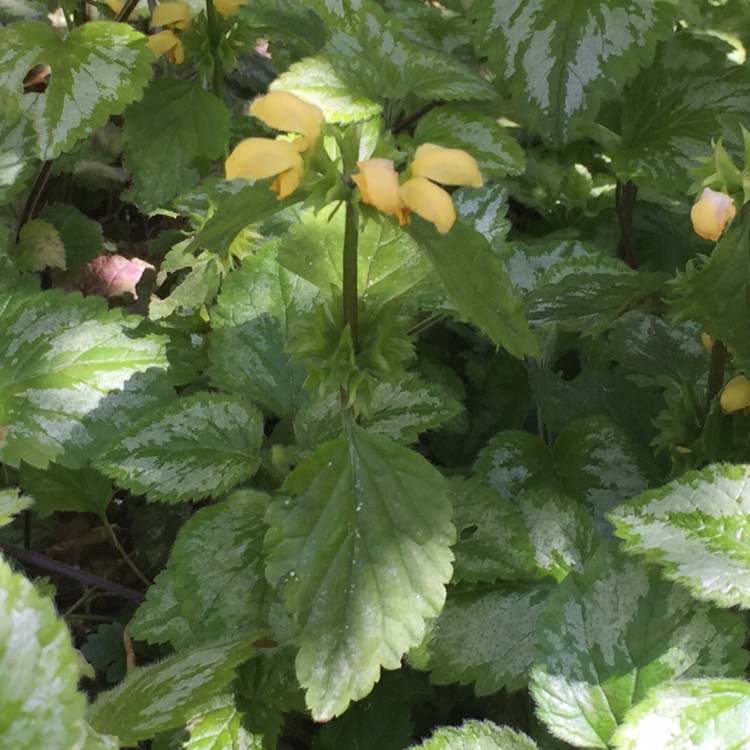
{"points": [[11, 503], [696, 528], [473, 735]]}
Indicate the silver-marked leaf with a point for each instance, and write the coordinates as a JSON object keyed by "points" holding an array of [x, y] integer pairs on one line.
{"points": [[673, 109], [689, 715], [17, 150], [562, 58], [484, 635], [220, 728], [40, 706], [12, 502], [601, 465], [214, 583], [95, 71], [612, 633], [63, 360], [696, 528], [251, 328], [200, 446], [477, 735], [497, 153], [167, 694], [316, 81], [363, 553]]}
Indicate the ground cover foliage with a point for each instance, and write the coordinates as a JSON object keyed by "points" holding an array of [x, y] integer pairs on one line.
{"points": [[302, 450]]}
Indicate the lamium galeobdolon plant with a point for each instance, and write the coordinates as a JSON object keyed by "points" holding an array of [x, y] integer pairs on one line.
{"points": [[301, 157]]}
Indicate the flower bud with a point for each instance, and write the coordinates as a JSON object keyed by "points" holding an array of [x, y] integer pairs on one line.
{"points": [[711, 214]]}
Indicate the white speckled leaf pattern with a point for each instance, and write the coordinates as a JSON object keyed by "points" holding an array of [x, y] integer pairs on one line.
{"points": [[214, 584], [673, 109], [689, 715], [63, 359], [40, 706], [562, 57], [697, 529], [167, 694], [477, 735], [363, 555], [220, 728], [612, 633], [485, 635], [200, 446], [96, 71]]}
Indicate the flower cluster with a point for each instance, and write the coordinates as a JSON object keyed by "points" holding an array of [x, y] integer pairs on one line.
{"points": [[259, 158], [172, 16], [379, 184], [711, 214]]}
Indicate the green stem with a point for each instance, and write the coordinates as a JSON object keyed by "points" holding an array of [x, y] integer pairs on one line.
{"points": [[125, 556], [716, 370], [214, 35], [625, 194], [351, 303]]}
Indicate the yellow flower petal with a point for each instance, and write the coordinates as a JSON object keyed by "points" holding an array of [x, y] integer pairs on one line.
{"points": [[165, 42], [283, 110], [430, 201], [736, 395], [449, 166], [228, 7], [114, 5], [378, 185], [259, 158], [711, 214], [174, 15]]}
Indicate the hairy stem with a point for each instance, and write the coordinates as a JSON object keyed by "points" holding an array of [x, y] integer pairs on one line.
{"points": [[625, 195], [716, 370], [351, 241], [214, 35]]}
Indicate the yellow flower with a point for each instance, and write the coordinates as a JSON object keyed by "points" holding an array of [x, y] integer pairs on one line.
{"points": [[711, 214], [259, 158], [165, 42], [172, 15], [378, 184], [228, 7], [736, 395], [283, 110]]}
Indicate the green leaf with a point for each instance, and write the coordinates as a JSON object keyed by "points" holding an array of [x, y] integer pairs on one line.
{"points": [[214, 583], [363, 555], [484, 635], [40, 705], [165, 695], [695, 528], [17, 150], [672, 111], [497, 153], [477, 734], [39, 247], [96, 71], [613, 632], [477, 284], [220, 728], [588, 300], [82, 237], [725, 275], [200, 446], [316, 81], [251, 327], [166, 133], [689, 714], [561, 59], [389, 263], [63, 359], [12, 502], [59, 488]]}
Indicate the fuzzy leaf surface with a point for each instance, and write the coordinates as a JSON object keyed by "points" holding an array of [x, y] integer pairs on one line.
{"points": [[96, 71], [473, 735], [363, 552], [63, 358], [612, 633], [175, 124], [40, 705], [689, 715], [696, 528], [202, 445], [214, 583]]}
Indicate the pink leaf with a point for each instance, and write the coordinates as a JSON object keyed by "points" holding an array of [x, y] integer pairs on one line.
{"points": [[112, 275]]}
